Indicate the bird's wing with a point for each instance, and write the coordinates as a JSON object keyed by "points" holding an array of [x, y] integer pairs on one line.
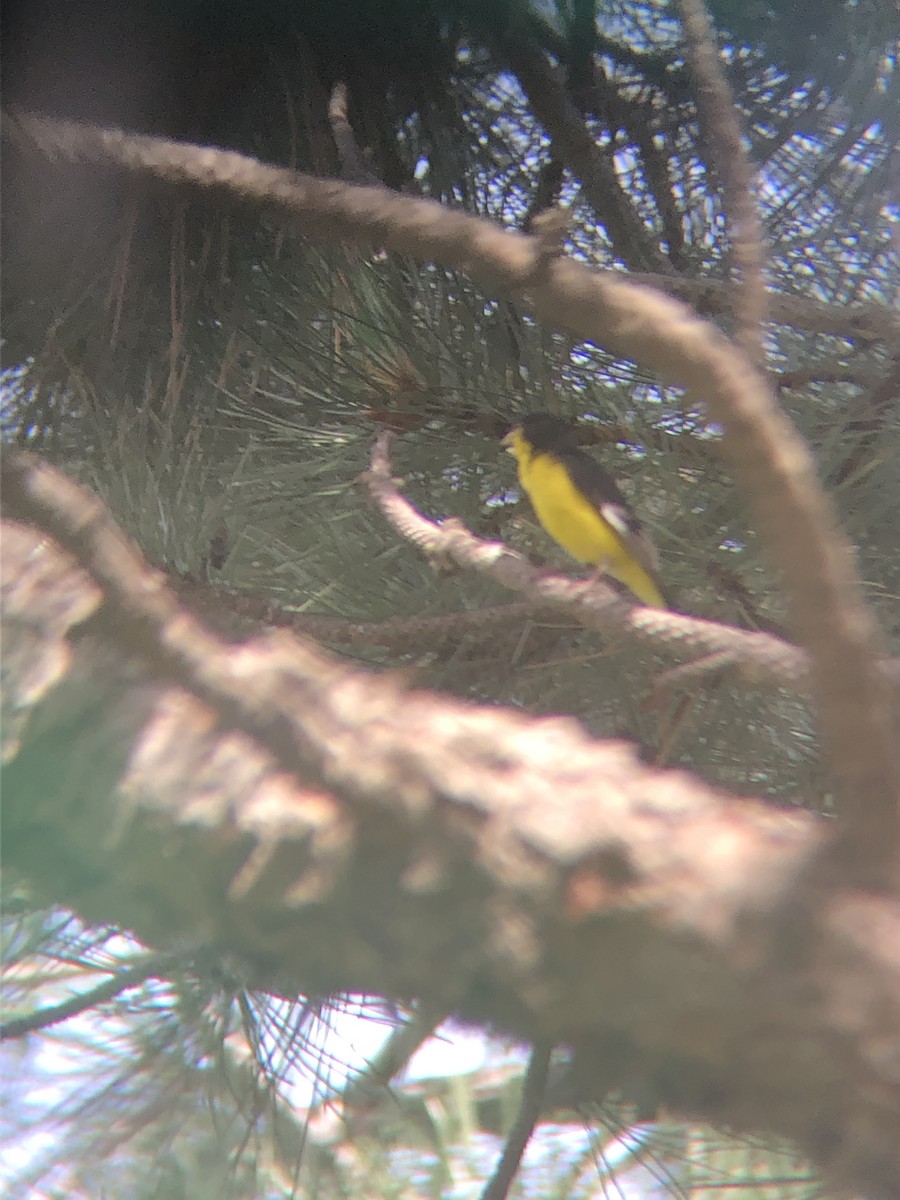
{"points": [[604, 493]]}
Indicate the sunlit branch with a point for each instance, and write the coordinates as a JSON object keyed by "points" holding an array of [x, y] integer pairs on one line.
{"points": [[721, 125]]}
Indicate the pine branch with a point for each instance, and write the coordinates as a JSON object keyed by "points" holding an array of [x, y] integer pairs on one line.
{"points": [[573, 144], [719, 117], [153, 965], [530, 1104], [769, 459], [517, 850]]}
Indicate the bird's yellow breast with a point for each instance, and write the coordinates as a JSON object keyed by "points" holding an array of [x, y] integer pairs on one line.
{"points": [[577, 523], [567, 515]]}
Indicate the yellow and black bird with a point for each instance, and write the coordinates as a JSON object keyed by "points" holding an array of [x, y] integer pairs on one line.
{"points": [[580, 506]]}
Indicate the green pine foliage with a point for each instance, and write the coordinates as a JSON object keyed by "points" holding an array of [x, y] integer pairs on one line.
{"points": [[216, 376]]}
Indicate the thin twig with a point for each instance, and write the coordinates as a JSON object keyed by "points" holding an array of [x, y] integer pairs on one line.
{"points": [[402, 635], [530, 1103], [853, 321], [546, 191], [371, 1085], [120, 981], [719, 120], [802, 377], [353, 167], [573, 144]]}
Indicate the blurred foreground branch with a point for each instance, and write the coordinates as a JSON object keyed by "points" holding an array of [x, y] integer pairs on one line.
{"points": [[264, 801]]}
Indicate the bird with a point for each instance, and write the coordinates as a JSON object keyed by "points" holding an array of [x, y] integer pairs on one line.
{"points": [[580, 505]]}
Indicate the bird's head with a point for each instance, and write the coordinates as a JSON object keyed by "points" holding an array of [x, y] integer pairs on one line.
{"points": [[541, 432]]}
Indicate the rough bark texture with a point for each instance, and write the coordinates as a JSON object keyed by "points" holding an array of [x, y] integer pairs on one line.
{"points": [[507, 869]]}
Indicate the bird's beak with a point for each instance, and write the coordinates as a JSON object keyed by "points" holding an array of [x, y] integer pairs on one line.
{"points": [[509, 442]]}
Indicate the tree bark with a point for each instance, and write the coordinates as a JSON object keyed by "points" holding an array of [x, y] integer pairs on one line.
{"points": [[509, 870]]}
